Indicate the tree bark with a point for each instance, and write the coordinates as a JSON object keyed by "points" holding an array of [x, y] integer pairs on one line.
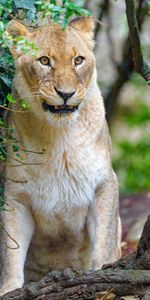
{"points": [[128, 276], [140, 65], [78, 285]]}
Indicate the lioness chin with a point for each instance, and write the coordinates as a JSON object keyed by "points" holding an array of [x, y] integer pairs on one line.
{"points": [[62, 197]]}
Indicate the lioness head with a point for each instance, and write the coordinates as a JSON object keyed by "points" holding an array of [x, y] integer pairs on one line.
{"points": [[58, 81]]}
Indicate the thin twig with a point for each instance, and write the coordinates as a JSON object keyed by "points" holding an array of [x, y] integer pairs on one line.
{"points": [[8, 165], [12, 110], [103, 9], [17, 245], [31, 151], [104, 295], [9, 179], [101, 23], [19, 161]]}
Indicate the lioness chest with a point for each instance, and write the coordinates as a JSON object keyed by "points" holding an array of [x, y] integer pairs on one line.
{"points": [[66, 179], [62, 190]]}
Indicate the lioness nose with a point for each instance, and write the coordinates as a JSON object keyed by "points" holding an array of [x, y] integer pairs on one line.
{"points": [[64, 95]]}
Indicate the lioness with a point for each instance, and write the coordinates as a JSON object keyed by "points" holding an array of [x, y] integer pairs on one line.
{"points": [[62, 197]]}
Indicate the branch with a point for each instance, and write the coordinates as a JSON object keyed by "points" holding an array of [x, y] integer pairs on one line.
{"points": [[102, 11], [7, 233], [13, 110], [125, 68], [140, 65], [143, 249], [73, 285]]}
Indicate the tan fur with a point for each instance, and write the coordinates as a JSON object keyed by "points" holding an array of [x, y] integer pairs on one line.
{"points": [[64, 211]]}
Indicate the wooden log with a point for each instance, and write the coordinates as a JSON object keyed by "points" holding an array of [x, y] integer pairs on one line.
{"points": [[142, 259], [84, 285]]}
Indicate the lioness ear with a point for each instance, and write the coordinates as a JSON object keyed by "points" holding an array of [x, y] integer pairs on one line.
{"points": [[85, 26], [16, 28]]}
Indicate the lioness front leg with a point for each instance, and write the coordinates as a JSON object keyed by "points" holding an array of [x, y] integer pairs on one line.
{"points": [[104, 212], [15, 239]]}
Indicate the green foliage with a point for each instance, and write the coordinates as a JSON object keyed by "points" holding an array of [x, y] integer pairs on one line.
{"points": [[7, 139], [132, 164], [60, 13], [24, 104], [25, 4], [140, 116], [10, 99], [2, 202]]}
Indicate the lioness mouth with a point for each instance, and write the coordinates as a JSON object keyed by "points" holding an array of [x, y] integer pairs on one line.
{"points": [[59, 108]]}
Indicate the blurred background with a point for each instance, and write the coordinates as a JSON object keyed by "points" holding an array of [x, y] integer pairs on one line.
{"points": [[127, 101]]}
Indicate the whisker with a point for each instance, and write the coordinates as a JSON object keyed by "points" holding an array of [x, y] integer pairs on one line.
{"points": [[35, 87], [29, 95]]}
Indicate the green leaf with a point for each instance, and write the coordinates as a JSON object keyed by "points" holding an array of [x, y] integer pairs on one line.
{"points": [[15, 148], [1, 122], [1, 10], [2, 202], [2, 27], [1, 189], [24, 104], [25, 4], [64, 23], [2, 157], [31, 15], [6, 80], [53, 2], [19, 156], [10, 98]]}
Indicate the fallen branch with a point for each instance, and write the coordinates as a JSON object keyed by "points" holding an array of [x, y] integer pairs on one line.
{"points": [[72, 285]]}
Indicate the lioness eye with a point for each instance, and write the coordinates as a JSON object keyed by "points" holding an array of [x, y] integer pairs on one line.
{"points": [[44, 60], [78, 60]]}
